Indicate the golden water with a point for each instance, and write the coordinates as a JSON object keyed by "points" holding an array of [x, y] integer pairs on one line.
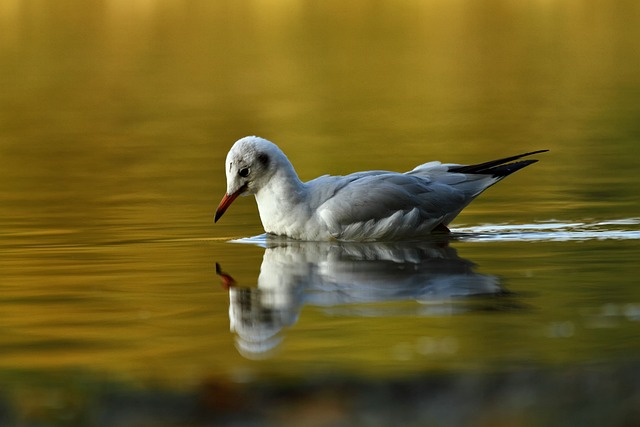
{"points": [[115, 118]]}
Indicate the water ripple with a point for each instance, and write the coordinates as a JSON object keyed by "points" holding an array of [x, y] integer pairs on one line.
{"points": [[549, 231], [552, 231]]}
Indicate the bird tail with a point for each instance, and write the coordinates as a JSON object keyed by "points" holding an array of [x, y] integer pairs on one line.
{"points": [[481, 176]]}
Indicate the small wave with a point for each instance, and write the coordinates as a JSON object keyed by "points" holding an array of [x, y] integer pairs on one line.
{"points": [[260, 240], [552, 231]]}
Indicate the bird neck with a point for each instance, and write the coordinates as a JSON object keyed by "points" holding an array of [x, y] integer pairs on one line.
{"points": [[282, 196], [284, 187]]}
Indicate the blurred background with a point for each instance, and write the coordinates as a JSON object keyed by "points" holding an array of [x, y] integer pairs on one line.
{"points": [[116, 117]]}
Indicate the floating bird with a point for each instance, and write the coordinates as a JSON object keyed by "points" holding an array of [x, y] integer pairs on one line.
{"points": [[363, 206]]}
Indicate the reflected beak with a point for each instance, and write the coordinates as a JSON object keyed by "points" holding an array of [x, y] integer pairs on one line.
{"points": [[226, 202]]}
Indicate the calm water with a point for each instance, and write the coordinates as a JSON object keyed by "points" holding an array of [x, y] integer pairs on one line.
{"points": [[115, 118]]}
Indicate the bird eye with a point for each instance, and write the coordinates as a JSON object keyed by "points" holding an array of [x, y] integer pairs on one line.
{"points": [[244, 172]]}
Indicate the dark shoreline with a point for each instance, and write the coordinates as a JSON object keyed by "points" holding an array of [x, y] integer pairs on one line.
{"points": [[586, 395]]}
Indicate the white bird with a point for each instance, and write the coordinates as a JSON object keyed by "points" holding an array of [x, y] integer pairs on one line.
{"points": [[363, 206]]}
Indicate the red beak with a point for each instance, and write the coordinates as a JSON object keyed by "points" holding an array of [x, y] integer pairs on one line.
{"points": [[226, 202]]}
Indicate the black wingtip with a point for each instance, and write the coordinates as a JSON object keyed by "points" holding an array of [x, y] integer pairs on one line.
{"points": [[533, 152], [500, 167], [509, 168]]}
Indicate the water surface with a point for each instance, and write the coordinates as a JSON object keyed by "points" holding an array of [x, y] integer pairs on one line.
{"points": [[114, 123]]}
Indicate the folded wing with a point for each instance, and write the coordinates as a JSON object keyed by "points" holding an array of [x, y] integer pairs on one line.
{"points": [[388, 205]]}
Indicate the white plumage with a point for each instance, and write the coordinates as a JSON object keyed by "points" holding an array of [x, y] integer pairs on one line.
{"points": [[363, 206]]}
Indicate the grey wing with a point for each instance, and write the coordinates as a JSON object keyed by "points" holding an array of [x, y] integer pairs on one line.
{"points": [[380, 205]]}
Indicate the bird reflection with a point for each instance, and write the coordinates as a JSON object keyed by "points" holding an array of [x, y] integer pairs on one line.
{"points": [[345, 279]]}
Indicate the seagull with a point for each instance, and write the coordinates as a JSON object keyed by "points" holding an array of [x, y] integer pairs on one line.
{"points": [[366, 206]]}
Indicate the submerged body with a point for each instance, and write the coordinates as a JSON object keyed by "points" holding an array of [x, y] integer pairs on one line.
{"points": [[363, 206]]}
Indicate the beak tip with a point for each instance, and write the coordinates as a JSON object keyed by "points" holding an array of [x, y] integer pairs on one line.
{"points": [[226, 201]]}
